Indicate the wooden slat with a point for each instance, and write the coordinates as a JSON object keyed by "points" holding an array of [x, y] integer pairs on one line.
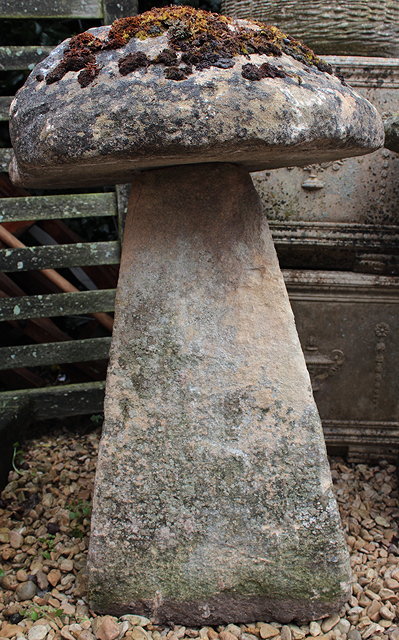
{"points": [[53, 402], [114, 9], [34, 355], [5, 102], [14, 58], [57, 304], [59, 256], [5, 157], [51, 9], [57, 207]]}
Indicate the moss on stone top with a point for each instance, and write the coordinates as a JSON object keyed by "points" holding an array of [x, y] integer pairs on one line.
{"points": [[196, 40]]}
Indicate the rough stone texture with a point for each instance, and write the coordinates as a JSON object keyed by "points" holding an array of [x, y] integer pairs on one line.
{"points": [[213, 496], [392, 133], [66, 135]]}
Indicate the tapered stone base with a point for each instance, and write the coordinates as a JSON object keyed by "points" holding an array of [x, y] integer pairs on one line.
{"points": [[213, 498]]}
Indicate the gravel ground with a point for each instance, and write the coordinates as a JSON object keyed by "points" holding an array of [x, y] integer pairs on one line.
{"points": [[44, 526]]}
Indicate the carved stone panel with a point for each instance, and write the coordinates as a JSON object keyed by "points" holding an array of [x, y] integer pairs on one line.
{"points": [[357, 197], [349, 329]]}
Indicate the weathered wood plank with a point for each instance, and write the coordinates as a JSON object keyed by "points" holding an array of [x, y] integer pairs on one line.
{"points": [[50, 9], [14, 58], [5, 102], [114, 9], [56, 207], [59, 256], [358, 27], [5, 157], [34, 355], [56, 304], [53, 402]]}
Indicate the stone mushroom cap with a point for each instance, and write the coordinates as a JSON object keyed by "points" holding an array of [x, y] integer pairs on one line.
{"points": [[175, 86]]}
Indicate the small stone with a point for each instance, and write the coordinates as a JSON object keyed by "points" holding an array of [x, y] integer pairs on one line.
{"points": [[8, 582], [9, 630], [285, 633], [123, 628], [16, 539], [66, 634], [371, 630], [54, 576], [26, 590], [107, 629], [232, 628], [66, 565], [226, 635], [21, 575], [330, 623], [394, 635], [139, 621], [314, 629], [41, 579], [67, 608], [85, 635], [343, 625], [212, 634], [387, 613], [38, 632], [138, 633], [267, 631], [296, 632], [354, 634]]}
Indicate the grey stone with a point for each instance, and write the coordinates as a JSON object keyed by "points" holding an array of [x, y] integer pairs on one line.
{"points": [[26, 590], [213, 498], [391, 126], [66, 135]]}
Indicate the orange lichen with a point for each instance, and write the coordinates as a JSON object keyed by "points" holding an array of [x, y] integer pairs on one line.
{"points": [[202, 39]]}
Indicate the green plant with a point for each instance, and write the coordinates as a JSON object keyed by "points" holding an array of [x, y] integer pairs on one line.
{"points": [[97, 419], [17, 457], [44, 611], [78, 511], [49, 541]]}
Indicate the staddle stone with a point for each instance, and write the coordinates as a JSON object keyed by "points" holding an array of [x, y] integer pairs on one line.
{"points": [[213, 498]]}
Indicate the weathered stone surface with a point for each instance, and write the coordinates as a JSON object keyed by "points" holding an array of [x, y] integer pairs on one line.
{"points": [[392, 133], [66, 135], [213, 496]]}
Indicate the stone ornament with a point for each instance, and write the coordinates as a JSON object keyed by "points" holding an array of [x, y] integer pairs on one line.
{"points": [[213, 497]]}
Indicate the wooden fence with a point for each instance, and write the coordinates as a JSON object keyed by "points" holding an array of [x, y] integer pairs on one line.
{"points": [[68, 399]]}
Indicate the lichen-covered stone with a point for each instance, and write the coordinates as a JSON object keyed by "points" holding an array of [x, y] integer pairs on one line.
{"points": [[213, 497], [90, 114]]}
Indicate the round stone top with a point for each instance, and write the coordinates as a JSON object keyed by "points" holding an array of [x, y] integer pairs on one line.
{"points": [[177, 85]]}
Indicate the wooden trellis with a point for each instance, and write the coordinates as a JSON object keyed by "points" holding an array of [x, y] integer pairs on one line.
{"points": [[69, 399]]}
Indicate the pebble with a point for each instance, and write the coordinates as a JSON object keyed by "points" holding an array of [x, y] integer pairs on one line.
{"points": [[53, 577], [107, 629], [39, 548], [138, 633], [26, 590], [16, 539], [314, 629], [139, 621], [354, 634], [330, 623], [38, 632], [285, 633], [267, 631]]}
